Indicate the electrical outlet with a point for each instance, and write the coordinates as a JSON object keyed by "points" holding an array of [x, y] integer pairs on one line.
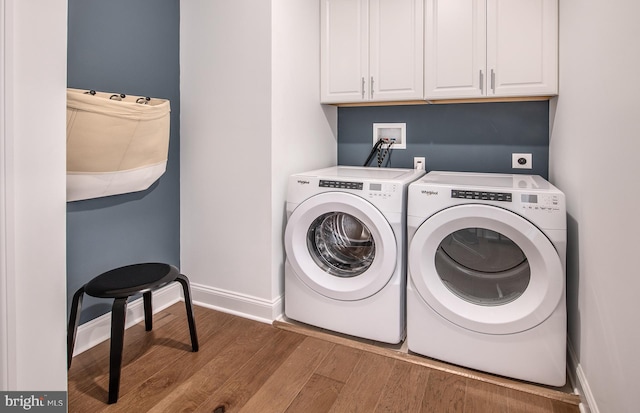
{"points": [[418, 163], [521, 161]]}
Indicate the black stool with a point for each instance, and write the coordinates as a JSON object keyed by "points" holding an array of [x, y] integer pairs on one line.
{"points": [[120, 284]]}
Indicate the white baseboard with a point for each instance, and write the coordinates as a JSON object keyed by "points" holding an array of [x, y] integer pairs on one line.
{"points": [[98, 330], [238, 304], [579, 383]]}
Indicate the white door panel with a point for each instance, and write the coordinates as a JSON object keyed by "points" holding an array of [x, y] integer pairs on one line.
{"points": [[455, 48], [543, 287], [331, 268], [522, 47]]}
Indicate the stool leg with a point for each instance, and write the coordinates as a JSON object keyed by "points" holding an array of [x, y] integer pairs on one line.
{"points": [[182, 279], [74, 319], [148, 311], [118, 313]]}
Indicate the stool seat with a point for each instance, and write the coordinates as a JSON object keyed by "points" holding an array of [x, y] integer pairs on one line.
{"points": [[119, 284], [131, 279]]}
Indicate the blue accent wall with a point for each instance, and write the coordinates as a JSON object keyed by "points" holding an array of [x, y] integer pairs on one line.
{"points": [[470, 137], [129, 47]]}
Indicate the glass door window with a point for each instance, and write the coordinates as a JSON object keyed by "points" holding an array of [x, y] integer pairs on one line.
{"points": [[341, 244], [482, 266], [485, 269]]}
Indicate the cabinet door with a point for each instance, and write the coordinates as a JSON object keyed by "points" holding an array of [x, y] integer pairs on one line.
{"points": [[344, 51], [455, 48], [522, 47], [396, 49]]}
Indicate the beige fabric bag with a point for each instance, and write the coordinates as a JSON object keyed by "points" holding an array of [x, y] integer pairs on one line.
{"points": [[115, 144]]}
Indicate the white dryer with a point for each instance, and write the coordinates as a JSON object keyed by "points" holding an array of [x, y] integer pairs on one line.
{"points": [[486, 269], [345, 242]]}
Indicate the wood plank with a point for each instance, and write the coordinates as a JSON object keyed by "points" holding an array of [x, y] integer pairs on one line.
{"points": [[136, 337], [444, 393], [405, 389], [251, 366], [172, 369], [172, 342], [250, 337], [317, 396], [527, 403], [363, 388], [287, 381], [481, 397], [561, 407], [88, 395], [401, 354], [339, 364], [236, 391], [96, 361]]}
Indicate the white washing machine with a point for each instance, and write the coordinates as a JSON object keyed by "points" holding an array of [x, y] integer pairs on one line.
{"points": [[345, 241], [486, 270]]}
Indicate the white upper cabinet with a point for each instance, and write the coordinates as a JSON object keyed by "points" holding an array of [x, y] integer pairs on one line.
{"points": [[522, 47], [491, 48], [455, 48], [371, 50]]}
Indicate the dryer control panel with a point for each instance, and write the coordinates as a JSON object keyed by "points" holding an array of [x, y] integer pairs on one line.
{"points": [[487, 196], [528, 201]]}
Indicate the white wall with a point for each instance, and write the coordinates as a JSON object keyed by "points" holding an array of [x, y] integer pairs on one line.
{"points": [[250, 117], [33, 195], [225, 148], [304, 134], [594, 149]]}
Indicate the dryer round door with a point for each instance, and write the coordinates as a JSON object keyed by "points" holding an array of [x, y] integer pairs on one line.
{"points": [[486, 269], [341, 246]]}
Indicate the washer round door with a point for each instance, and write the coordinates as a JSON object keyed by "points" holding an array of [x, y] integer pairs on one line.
{"points": [[341, 246], [486, 269]]}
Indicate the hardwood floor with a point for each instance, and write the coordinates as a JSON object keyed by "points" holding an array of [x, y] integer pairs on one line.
{"points": [[247, 366]]}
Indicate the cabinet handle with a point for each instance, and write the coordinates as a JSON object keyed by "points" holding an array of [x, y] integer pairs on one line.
{"points": [[481, 82], [371, 87], [493, 81], [362, 89]]}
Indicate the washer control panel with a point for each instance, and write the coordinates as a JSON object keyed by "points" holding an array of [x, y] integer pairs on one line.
{"points": [[543, 202], [371, 190], [487, 196], [340, 184], [380, 191]]}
